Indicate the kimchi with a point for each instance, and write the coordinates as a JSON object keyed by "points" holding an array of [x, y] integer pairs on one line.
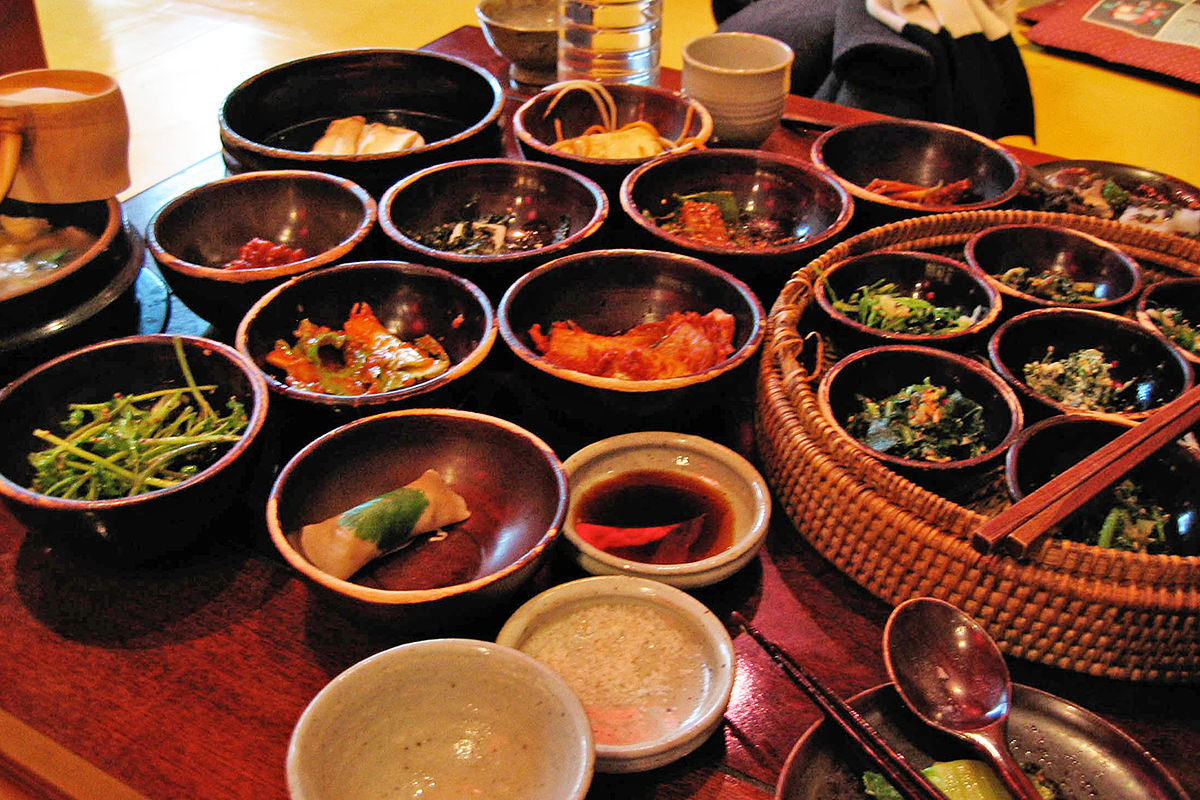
{"points": [[682, 343]]}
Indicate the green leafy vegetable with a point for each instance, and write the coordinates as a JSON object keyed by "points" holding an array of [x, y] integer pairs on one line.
{"points": [[134, 444], [923, 422], [884, 305]]}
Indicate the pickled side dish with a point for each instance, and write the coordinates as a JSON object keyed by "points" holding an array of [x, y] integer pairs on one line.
{"points": [[921, 422], [1082, 379]]}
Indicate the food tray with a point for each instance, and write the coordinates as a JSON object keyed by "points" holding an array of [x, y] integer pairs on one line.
{"points": [[1107, 613]]}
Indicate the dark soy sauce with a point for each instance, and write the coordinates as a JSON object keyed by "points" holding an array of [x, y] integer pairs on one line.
{"points": [[648, 498]]}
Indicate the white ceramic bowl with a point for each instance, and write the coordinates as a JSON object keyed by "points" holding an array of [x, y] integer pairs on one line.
{"points": [[747, 501], [433, 717], [652, 665]]}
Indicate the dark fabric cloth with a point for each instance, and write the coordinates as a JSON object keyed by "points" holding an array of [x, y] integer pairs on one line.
{"points": [[846, 56]]}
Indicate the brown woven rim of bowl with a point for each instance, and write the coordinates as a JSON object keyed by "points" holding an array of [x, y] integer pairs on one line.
{"points": [[1129, 616]]}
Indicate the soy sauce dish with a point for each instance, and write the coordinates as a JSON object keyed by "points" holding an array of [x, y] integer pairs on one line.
{"points": [[652, 666], [670, 507]]}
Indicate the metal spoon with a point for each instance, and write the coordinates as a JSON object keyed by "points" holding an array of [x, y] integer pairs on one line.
{"points": [[950, 673]]}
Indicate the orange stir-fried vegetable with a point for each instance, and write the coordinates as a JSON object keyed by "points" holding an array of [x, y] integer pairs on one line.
{"points": [[939, 194], [364, 358]]}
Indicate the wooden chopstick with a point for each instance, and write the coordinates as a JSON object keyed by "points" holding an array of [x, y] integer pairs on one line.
{"points": [[902, 775], [1021, 525]]}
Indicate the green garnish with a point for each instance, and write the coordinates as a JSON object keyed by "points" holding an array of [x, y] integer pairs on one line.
{"points": [[885, 306], [1175, 326], [1051, 285], [922, 422], [134, 444]]}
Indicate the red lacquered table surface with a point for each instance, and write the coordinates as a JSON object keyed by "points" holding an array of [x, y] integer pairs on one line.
{"points": [[184, 680]]}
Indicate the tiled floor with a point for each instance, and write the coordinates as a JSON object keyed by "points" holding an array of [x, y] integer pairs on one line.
{"points": [[177, 59]]}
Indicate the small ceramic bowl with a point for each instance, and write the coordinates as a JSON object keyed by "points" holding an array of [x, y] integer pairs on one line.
{"points": [[563, 209], [652, 665], [193, 236], [143, 526], [783, 199], [409, 300], [1167, 479], [526, 33], [1151, 370], [1113, 277], [921, 153], [461, 716], [272, 119], [936, 279], [655, 478], [1172, 307], [513, 485], [879, 372], [673, 115]]}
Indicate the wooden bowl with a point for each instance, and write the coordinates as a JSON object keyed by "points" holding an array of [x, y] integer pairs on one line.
{"points": [[194, 235], [673, 115], [147, 525], [273, 119], [539, 196], [408, 299], [607, 292], [777, 195], [513, 484], [1155, 371], [1115, 276], [917, 152], [938, 279]]}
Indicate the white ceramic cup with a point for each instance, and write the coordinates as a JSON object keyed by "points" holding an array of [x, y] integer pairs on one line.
{"points": [[743, 80], [64, 136]]}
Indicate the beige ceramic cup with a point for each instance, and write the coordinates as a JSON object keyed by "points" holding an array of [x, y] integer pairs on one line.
{"points": [[743, 80], [64, 136]]}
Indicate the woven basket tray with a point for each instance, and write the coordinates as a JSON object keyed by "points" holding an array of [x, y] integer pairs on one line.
{"points": [[1102, 612]]}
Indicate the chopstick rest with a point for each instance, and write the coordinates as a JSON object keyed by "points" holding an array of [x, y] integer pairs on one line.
{"points": [[907, 780], [1016, 529]]}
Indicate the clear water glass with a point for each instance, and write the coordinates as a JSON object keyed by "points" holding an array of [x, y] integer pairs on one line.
{"points": [[610, 41]]}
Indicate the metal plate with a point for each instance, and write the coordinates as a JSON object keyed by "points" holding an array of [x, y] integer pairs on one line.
{"points": [[1085, 755]]}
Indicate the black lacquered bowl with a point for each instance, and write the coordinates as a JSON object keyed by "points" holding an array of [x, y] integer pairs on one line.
{"points": [[1112, 277], [780, 197], [1152, 371], [921, 153], [561, 207], [938, 280], [146, 525], [272, 120]]}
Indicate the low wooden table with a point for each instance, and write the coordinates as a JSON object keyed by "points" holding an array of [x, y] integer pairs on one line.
{"points": [[184, 681]]}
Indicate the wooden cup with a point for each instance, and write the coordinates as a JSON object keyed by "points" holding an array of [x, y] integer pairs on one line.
{"points": [[64, 136]]}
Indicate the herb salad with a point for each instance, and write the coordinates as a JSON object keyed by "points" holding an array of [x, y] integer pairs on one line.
{"points": [[887, 306], [921, 422]]}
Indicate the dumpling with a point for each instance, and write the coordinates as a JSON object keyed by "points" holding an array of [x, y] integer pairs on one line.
{"points": [[379, 138], [355, 136], [344, 544], [341, 137]]}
